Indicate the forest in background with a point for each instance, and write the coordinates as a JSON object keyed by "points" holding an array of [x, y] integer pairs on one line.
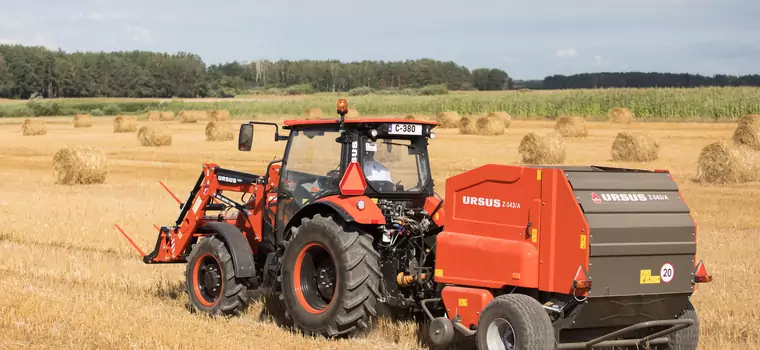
{"points": [[27, 71]]}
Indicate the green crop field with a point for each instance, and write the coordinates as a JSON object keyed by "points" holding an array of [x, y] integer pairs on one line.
{"points": [[655, 104]]}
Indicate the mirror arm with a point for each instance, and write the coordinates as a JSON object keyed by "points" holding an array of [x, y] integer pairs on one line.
{"points": [[277, 136]]}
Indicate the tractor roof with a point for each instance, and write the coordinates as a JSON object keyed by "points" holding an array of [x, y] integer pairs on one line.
{"points": [[315, 122]]}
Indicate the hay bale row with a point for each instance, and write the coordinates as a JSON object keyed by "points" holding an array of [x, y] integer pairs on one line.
{"points": [[155, 135], [489, 125], [747, 132], [546, 148], [33, 127], [82, 120], [163, 116], [219, 131], [80, 166], [123, 123], [192, 116], [724, 163], [568, 126], [635, 147]]}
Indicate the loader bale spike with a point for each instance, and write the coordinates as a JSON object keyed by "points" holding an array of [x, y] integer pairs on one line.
{"points": [[142, 254]]}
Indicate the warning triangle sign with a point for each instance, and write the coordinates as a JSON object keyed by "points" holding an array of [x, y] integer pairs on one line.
{"points": [[353, 182]]}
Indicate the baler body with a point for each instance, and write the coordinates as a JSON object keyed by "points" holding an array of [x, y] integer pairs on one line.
{"points": [[541, 228]]}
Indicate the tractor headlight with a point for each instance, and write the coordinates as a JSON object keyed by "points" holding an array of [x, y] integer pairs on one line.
{"points": [[360, 205], [432, 135], [373, 133]]}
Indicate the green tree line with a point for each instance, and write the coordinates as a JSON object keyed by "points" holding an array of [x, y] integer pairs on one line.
{"points": [[643, 80], [37, 71]]}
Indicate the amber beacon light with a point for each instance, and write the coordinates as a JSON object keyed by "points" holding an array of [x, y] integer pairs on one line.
{"points": [[342, 107]]}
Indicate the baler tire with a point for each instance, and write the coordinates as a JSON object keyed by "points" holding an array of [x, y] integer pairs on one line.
{"points": [[232, 299], [530, 324], [687, 338], [352, 307]]}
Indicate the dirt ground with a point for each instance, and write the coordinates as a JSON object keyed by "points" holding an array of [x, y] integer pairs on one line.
{"points": [[72, 281]]}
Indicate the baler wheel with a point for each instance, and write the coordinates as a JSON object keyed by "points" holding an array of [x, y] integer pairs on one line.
{"points": [[210, 280], [514, 322], [330, 278], [687, 338]]}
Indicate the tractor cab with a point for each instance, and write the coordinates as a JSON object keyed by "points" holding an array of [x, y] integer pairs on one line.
{"points": [[383, 159]]}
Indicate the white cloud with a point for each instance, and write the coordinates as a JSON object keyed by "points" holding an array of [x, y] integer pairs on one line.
{"points": [[139, 34], [569, 52]]}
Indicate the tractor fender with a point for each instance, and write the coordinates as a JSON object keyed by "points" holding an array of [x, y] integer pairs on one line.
{"points": [[240, 249], [345, 207]]}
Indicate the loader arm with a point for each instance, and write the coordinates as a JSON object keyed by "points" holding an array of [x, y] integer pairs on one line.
{"points": [[173, 241]]}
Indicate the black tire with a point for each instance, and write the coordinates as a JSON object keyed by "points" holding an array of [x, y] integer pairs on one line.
{"points": [[210, 280], [687, 338], [353, 288], [520, 315]]}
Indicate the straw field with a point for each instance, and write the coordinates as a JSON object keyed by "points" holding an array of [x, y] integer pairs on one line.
{"points": [[72, 281]]}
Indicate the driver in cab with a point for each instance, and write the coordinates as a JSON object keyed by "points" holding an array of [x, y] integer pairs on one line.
{"points": [[373, 170]]}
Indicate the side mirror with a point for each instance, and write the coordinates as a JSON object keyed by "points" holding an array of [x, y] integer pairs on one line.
{"points": [[245, 138]]}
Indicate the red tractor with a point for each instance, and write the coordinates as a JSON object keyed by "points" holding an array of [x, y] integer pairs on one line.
{"points": [[348, 221]]}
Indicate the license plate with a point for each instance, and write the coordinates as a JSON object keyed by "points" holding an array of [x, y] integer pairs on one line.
{"points": [[405, 129]]}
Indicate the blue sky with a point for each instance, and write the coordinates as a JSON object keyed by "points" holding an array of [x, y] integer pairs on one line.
{"points": [[528, 39]]}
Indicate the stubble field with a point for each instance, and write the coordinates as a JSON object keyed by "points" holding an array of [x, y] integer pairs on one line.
{"points": [[72, 281]]}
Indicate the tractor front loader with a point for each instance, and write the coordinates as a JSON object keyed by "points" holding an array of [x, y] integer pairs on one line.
{"points": [[517, 257]]}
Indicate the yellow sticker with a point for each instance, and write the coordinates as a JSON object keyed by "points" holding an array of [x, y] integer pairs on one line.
{"points": [[462, 302], [534, 235], [538, 174], [438, 272], [304, 200], [437, 215], [374, 200], [647, 278], [583, 241]]}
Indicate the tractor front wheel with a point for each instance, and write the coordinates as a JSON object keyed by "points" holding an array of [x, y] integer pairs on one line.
{"points": [[330, 278], [514, 322], [210, 280]]}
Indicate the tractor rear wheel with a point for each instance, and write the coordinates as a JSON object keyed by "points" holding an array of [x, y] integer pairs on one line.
{"points": [[514, 322], [687, 338], [330, 278], [210, 280]]}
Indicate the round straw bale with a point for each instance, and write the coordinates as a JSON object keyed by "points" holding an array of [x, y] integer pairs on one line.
{"points": [[154, 116], [571, 126], [503, 115], [448, 120], [167, 116], [188, 117], [219, 115], [724, 163], [635, 147], [154, 135], [82, 121], [747, 132], [80, 166], [122, 123], [33, 127], [620, 115], [492, 124], [413, 116], [313, 113], [219, 131], [467, 125], [546, 148]]}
